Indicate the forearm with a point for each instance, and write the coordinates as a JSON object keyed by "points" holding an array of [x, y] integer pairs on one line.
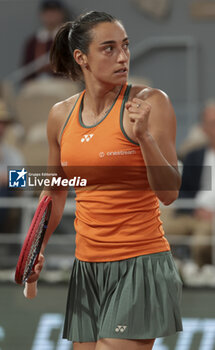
{"points": [[164, 178], [58, 203]]}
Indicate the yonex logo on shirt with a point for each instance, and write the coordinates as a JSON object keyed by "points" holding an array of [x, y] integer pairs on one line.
{"points": [[120, 328], [87, 138]]}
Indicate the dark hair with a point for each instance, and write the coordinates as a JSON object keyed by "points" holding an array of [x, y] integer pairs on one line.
{"points": [[52, 5], [71, 36]]}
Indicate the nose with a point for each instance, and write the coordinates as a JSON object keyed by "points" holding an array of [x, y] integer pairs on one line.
{"points": [[122, 56]]}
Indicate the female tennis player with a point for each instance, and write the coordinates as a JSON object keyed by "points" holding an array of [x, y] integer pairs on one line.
{"points": [[124, 290]]}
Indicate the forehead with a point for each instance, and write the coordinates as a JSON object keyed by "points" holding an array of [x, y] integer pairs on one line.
{"points": [[108, 31]]}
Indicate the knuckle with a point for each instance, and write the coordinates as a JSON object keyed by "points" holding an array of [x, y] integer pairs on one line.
{"points": [[147, 109]]}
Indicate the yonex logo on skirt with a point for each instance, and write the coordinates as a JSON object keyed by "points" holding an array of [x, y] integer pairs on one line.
{"points": [[120, 328]]}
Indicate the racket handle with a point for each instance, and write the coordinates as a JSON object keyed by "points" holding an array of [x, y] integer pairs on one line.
{"points": [[30, 290]]}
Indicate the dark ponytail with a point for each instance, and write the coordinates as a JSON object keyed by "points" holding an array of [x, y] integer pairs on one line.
{"points": [[71, 36]]}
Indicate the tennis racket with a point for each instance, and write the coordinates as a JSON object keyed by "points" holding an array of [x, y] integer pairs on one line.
{"points": [[28, 257]]}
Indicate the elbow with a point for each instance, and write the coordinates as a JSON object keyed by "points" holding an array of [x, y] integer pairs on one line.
{"points": [[169, 198]]}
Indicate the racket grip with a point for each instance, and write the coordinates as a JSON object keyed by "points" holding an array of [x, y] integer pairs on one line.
{"points": [[30, 290]]}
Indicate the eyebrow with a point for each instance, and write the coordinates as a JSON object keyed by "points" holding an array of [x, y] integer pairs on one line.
{"points": [[112, 41]]}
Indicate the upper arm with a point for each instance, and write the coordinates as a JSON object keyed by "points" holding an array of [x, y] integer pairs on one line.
{"points": [[162, 125], [56, 121], [53, 126]]}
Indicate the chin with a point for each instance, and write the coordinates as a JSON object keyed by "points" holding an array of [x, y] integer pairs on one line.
{"points": [[121, 81], [117, 81]]}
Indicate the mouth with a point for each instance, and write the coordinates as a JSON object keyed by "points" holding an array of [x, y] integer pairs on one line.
{"points": [[121, 71]]}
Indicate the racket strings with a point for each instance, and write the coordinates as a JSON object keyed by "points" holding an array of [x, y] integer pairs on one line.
{"points": [[35, 247]]}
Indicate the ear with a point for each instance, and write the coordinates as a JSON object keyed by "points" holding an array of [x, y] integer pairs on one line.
{"points": [[80, 58]]}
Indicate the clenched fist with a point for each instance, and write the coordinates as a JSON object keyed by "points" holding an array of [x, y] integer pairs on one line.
{"points": [[138, 112]]}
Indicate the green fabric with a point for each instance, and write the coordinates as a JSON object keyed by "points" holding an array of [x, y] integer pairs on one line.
{"points": [[137, 298]]}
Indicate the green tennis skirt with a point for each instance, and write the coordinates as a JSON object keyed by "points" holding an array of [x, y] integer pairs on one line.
{"points": [[136, 298]]}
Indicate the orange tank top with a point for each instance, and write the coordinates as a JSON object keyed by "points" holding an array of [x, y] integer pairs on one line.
{"points": [[117, 214]]}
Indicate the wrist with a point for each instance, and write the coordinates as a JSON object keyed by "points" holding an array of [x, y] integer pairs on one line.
{"points": [[144, 137]]}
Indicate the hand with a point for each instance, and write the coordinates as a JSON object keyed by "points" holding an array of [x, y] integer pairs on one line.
{"points": [[138, 112], [37, 269]]}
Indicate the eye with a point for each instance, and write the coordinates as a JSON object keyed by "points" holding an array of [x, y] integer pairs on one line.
{"points": [[108, 49], [126, 46]]}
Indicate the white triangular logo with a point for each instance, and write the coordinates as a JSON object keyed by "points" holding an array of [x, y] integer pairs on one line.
{"points": [[87, 138], [120, 328]]}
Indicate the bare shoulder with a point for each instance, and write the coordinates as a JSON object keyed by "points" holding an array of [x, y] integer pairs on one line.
{"points": [[150, 95], [59, 114], [162, 112], [59, 110], [158, 100]]}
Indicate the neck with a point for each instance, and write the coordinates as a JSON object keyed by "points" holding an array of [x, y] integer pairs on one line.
{"points": [[99, 98]]}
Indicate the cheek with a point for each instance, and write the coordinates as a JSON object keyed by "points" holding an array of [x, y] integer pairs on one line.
{"points": [[103, 66]]}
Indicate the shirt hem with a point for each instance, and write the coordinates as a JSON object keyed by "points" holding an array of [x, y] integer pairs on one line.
{"points": [[81, 258]]}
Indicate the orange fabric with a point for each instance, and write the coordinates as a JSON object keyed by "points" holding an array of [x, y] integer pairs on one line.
{"points": [[117, 215]]}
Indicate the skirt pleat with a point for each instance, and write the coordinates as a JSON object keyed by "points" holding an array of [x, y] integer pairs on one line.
{"points": [[137, 298]]}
